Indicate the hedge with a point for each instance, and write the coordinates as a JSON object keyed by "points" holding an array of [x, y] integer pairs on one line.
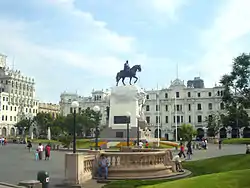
{"points": [[237, 141]]}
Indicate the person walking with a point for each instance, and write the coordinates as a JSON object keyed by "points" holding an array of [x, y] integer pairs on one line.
{"points": [[47, 152], [40, 151]]}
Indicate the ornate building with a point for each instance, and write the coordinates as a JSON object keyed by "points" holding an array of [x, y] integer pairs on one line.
{"points": [[98, 97], [167, 108], [17, 98], [53, 109]]}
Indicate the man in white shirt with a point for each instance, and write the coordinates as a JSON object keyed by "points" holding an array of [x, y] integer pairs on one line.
{"points": [[140, 144], [177, 160], [40, 151]]}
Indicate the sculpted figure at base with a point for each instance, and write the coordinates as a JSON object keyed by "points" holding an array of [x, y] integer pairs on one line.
{"points": [[128, 72]]}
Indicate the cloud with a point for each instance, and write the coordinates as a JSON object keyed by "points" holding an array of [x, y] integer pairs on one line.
{"points": [[96, 50], [223, 40], [161, 11]]}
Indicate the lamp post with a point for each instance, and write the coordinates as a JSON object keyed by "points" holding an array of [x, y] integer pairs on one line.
{"points": [[97, 110], [128, 121], [138, 131], [74, 105]]}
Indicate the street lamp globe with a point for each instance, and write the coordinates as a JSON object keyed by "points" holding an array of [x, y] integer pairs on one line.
{"points": [[96, 109], [128, 114], [75, 104]]}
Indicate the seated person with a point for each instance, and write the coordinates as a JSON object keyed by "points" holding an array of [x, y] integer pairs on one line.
{"points": [[177, 161], [103, 166]]}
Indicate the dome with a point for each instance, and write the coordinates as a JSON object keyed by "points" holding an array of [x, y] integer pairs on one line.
{"points": [[177, 83]]}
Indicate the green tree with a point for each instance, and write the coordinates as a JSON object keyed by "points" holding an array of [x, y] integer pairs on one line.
{"points": [[43, 121], [214, 123], [187, 132], [236, 95], [24, 125]]}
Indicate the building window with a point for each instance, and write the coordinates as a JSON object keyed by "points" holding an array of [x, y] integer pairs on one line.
{"points": [[30, 110], [166, 119], [166, 95], [177, 118], [2, 117], [210, 106], [179, 107], [148, 119], [71, 110], [33, 111], [15, 108], [3, 98], [209, 94], [6, 118], [189, 94], [177, 94], [26, 109], [218, 93], [147, 96], [6, 107], [157, 107], [166, 107], [158, 119], [147, 108], [222, 107], [210, 118], [221, 93], [189, 107], [199, 118], [10, 118], [14, 118], [182, 119], [3, 107], [189, 119], [7, 99], [199, 94], [10, 108], [198, 106]]}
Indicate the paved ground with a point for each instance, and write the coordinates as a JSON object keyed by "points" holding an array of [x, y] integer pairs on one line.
{"points": [[17, 164]]}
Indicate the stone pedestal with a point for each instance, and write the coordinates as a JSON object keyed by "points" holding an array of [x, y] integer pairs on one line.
{"points": [[78, 168], [124, 100]]}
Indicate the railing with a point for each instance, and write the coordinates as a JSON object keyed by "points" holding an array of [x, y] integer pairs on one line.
{"points": [[138, 160]]}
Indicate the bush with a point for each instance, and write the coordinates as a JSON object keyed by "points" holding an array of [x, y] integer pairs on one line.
{"points": [[237, 141]]}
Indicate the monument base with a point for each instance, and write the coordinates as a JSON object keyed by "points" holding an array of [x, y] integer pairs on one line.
{"points": [[120, 134]]}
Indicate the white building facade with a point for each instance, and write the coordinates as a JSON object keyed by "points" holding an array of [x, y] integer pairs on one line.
{"points": [[167, 108], [98, 97], [178, 104], [17, 98]]}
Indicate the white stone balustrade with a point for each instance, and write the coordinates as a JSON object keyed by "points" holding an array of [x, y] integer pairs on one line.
{"points": [[135, 164]]}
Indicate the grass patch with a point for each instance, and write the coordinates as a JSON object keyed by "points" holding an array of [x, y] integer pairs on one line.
{"points": [[44, 141], [218, 164], [236, 141], [201, 167], [232, 179]]}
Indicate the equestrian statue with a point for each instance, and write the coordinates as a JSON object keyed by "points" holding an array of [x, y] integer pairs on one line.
{"points": [[128, 72]]}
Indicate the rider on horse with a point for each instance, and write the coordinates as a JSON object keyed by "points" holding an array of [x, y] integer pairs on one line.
{"points": [[126, 67]]}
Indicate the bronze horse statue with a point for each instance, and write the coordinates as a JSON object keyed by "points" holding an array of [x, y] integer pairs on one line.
{"points": [[128, 74]]}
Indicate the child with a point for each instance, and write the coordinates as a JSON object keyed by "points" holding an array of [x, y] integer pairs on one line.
{"points": [[37, 155]]}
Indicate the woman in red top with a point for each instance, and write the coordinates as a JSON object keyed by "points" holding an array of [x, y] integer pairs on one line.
{"points": [[47, 152], [182, 151]]}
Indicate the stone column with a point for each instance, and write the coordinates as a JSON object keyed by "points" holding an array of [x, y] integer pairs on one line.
{"points": [[49, 134]]}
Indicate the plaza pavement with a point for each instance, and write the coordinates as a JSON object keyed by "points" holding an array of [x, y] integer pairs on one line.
{"points": [[17, 164]]}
